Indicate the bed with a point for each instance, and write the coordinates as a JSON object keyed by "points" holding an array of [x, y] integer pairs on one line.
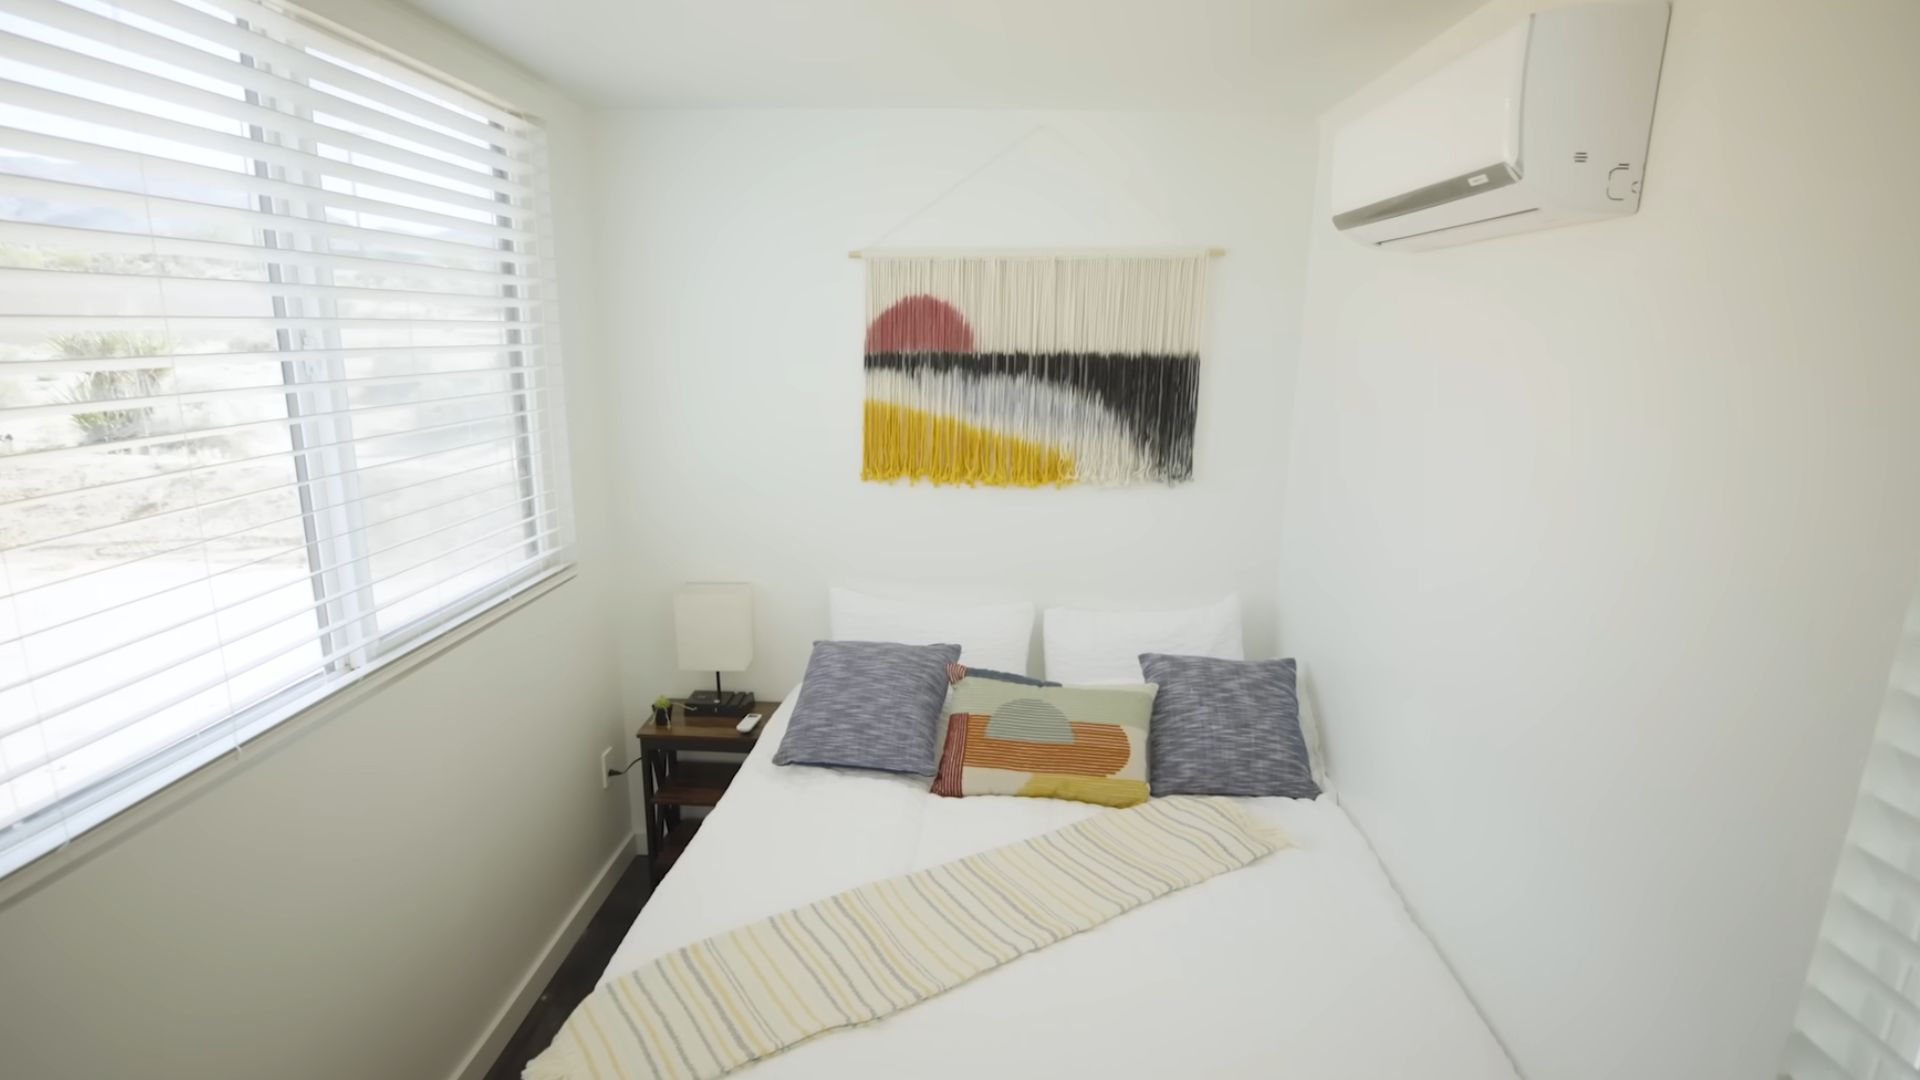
{"points": [[1305, 965]]}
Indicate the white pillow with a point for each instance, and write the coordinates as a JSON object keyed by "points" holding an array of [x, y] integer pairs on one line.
{"points": [[995, 636], [1095, 647]]}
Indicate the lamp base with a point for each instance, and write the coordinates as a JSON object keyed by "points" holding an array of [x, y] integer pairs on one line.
{"points": [[727, 703]]}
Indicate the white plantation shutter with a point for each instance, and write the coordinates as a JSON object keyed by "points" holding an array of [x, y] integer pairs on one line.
{"points": [[1860, 1013], [278, 384]]}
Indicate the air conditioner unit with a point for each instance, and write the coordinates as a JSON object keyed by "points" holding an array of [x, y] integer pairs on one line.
{"points": [[1544, 125]]}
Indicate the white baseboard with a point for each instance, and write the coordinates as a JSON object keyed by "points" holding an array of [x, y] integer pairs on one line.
{"points": [[507, 1020]]}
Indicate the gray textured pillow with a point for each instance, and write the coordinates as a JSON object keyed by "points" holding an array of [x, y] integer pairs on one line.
{"points": [[870, 705], [1226, 727]]}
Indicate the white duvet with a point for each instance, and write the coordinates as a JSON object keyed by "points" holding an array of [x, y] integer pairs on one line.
{"points": [[1304, 966]]}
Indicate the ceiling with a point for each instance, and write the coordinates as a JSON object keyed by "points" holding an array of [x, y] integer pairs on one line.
{"points": [[1267, 55]]}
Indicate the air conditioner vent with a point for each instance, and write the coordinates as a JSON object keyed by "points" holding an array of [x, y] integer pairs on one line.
{"points": [[1567, 88]]}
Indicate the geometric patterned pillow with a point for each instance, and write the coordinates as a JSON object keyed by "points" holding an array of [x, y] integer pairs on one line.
{"points": [[1085, 743]]}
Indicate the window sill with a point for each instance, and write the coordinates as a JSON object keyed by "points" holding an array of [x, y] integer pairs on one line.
{"points": [[183, 780]]}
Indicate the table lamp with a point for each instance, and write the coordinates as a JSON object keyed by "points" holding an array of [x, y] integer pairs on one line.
{"points": [[713, 626]]}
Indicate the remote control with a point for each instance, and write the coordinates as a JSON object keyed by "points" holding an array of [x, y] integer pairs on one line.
{"points": [[747, 723]]}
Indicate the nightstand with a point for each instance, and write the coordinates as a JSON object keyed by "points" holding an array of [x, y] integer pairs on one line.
{"points": [[669, 785]]}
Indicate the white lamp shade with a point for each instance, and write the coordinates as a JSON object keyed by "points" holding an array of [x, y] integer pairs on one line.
{"points": [[713, 625]]}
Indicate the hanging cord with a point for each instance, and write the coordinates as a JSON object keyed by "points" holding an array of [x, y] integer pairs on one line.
{"points": [[997, 157]]}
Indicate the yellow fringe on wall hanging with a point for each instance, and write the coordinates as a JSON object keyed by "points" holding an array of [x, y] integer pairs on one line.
{"points": [[913, 444]]}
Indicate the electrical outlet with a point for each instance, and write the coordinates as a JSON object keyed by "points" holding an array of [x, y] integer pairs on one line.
{"points": [[605, 768]]}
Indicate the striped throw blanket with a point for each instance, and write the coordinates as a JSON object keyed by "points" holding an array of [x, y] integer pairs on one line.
{"points": [[713, 1006]]}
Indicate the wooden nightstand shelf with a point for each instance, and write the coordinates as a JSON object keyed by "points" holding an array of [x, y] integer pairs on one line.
{"points": [[669, 785]]}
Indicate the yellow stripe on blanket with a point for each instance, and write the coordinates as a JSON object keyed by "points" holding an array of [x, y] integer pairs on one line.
{"points": [[705, 1010]]}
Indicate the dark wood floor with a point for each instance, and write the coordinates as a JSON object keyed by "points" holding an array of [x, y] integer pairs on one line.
{"points": [[576, 975]]}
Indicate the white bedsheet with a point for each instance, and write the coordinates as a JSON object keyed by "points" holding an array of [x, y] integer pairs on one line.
{"points": [[1304, 966]]}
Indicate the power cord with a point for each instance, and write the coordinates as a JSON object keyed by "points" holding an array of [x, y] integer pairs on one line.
{"points": [[628, 768]]}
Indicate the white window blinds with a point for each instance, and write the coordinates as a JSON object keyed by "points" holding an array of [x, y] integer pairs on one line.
{"points": [[1860, 1012], [278, 390]]}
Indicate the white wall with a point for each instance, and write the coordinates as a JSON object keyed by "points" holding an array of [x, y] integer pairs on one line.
{"points": [[737, 321], [1598, 541], [361, 898]]}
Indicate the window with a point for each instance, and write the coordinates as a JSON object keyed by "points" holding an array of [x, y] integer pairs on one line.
{"points": [[278, 391], [1860, 1012]]}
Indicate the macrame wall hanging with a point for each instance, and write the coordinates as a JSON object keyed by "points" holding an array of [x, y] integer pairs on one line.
{"points": [[1033, 369]]}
